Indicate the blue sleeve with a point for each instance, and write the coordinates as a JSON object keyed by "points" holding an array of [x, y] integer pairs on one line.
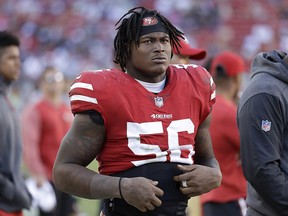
{"points": [[261, 127]]}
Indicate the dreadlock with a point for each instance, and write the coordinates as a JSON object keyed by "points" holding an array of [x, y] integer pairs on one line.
{"points": [[129, 31]]}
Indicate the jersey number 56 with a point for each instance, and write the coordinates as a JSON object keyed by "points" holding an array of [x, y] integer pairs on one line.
{"points": [[174, 150]]}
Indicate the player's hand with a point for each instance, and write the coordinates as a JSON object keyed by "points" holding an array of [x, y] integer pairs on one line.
{"points": [[141, 193], [198, 179]]}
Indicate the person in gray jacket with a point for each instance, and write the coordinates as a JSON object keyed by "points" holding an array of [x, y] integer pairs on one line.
{"points": [[263, 126], [14, 196]]}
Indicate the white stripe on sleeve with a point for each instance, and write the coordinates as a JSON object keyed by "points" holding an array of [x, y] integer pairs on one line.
{"points": [[84, 98], [81, 85], [211, 81], [213, 95]]}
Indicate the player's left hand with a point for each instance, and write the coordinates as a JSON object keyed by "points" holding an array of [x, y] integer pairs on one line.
{"points": [[198, 179]]}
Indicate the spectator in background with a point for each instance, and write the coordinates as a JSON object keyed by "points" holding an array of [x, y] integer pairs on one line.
{"points": [[14, 195], [185, 53], [229, 198], [44, 122], [263, 126]]}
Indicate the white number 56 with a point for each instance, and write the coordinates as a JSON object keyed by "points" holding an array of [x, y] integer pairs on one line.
{"points": [[134, 130]]}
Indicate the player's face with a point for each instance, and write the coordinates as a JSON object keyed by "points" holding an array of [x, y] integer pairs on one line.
{"points": [[10, 63], [150, 60]]}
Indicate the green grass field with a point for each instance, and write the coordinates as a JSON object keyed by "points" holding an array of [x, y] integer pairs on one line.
{"points": [[88, 207]]}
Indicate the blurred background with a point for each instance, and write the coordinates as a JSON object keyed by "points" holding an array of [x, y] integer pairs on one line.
{"points": [[77, 35]]}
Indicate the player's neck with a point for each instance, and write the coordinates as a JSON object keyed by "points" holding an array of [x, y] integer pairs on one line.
{"points": [[153, 87]]}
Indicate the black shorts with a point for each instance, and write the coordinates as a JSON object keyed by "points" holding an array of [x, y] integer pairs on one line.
{"points": [[174, 203]]}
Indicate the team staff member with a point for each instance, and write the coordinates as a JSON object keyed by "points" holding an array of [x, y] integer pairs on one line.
{"points": [[263, 125], [185, 53], [45, 120], [130, 120], [14, 196], [228, 199]]}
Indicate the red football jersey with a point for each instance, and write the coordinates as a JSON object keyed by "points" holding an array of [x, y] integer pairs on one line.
{"points": [[143, 127]]}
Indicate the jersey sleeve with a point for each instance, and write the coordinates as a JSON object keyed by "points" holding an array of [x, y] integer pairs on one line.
{"points": [[84, 92], [205, 87], [207, 80], [204, 81]]}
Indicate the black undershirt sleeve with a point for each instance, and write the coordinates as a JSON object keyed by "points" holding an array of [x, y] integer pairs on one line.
{"points": [[94, 116], [261, 151]]}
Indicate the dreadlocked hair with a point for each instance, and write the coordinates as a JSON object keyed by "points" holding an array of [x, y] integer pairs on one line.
{"points": [[129, 31]]}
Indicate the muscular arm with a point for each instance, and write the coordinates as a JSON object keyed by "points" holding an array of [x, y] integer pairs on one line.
{"points": [[204, 154], [204, 175], [79, 147]]}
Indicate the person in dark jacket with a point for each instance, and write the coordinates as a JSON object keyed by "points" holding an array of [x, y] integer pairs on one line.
{"points": [[14, 196], [263, 126]]}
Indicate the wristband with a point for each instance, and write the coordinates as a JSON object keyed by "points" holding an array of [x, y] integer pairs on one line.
{"points": [[120, 191]]}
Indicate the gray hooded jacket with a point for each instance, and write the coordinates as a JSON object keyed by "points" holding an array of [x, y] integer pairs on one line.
{"points": [[263, 126], [14, 195]]}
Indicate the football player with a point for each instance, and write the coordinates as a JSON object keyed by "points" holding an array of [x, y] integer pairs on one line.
{"points": [[147, 125]]}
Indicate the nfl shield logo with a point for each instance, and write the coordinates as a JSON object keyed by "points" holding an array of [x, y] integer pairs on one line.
{"points": [[159, 101], [147, 21], [266, 125]]}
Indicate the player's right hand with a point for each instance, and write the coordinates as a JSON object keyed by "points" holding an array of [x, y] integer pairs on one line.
{"points": [[141, 193]]}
